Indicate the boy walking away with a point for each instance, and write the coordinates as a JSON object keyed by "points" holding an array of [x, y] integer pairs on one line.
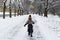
{"points": [[30, 25]]}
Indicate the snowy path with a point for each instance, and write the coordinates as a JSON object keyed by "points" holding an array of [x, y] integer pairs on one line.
{"points": [[23, 35], [44, 27], [16, 31], [19, 32], [9, 32]]}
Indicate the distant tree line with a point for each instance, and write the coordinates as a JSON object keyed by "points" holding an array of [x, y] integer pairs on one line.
{"points": [[17, 9], [39, 6]]}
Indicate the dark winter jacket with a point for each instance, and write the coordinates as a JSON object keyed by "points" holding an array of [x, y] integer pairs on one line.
{"points": [[29, 22], [30, 26]]}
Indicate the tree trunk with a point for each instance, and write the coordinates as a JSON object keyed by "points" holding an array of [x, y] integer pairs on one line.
{"points": [[10, 12], [15, 12], [18, 12], [10, 9], [45, 13], [4, 11]]}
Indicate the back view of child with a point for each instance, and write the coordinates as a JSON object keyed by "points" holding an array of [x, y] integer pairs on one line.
{"points": [[30, 26]]}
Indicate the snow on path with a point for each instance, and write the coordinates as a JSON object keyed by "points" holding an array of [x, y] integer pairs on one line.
{"points": [[13, 29], [47, 33], [23, 35]]}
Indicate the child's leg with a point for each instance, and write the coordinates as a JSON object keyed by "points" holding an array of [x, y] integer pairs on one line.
{"points": [[28, 32]]}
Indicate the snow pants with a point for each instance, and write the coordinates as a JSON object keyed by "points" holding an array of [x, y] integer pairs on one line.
{"points": [[30, 28]]}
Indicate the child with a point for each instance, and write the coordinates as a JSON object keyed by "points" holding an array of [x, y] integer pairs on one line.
{"points": [[30, 26]]}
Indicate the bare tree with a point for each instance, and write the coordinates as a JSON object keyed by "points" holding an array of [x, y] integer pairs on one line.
{"points": [[15, 11], [46, 6], [10, 9], [4, 8], [15, 1]]}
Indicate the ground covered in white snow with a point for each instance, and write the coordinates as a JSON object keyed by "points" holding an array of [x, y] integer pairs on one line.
{"points": [[44, 28]]}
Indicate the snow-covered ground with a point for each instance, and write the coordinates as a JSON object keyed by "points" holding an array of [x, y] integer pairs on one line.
{"points": [[44, 28], [6, 14]]}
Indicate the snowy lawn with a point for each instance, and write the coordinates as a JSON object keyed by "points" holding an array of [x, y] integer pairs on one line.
{"points": [[44, 28]]}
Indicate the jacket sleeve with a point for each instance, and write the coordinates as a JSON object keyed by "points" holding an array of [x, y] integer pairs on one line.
{"points": [[33, 22], [26, 23]]}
